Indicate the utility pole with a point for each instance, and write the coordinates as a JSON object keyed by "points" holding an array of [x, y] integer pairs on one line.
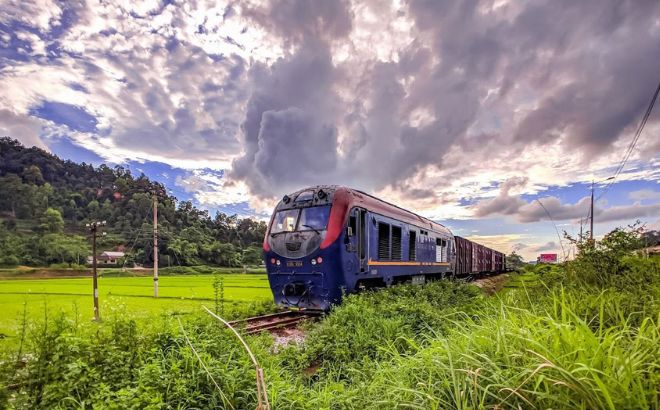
{"points": [[591, 229], [155, 245], [580, 241], [93, 228]]}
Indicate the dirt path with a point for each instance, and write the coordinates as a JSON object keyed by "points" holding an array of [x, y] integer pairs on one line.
{"points": [[64, 273], [492, 284]]}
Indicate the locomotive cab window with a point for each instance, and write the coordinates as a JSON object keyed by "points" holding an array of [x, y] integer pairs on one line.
{"points": [[285, 221], [314, 218], [305, 219]]}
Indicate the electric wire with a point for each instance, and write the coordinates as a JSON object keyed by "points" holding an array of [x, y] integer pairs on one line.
{"points": [[555, 225], [627, 154], [631, 147]]}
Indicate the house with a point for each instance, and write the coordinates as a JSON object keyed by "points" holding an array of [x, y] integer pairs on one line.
{"points": [[107, 258], [110, 258]]}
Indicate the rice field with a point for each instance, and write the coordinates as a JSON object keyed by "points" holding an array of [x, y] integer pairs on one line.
{"points": [[134, 295]]}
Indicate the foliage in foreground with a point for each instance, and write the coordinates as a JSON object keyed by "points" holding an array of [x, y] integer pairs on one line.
{"points": [[558, 341]]}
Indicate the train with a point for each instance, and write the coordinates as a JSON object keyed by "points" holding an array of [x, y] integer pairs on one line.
{"points": [[326, 241]]}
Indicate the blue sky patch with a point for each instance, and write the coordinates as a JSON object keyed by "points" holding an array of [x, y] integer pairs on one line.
{"points": [[72, 116]]}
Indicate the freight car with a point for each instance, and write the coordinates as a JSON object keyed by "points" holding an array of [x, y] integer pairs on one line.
{"points": [[324, 241]]}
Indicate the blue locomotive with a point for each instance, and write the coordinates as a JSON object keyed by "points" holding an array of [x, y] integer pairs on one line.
{"points": [[324, 241]]}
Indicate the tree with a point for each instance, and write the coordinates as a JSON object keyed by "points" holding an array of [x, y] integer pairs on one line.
{"points": [[51, 221], [32, 175], [36, 186], [11, 193], [59, 248], [253, 256], [599, 262], [514, 261]]}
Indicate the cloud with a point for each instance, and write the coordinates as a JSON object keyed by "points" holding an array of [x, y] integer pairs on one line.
{"points": [[628, 213], [451, 109], [644, 195], [209, 188], [549, 246], [21, 126], [503, 204], [42, 14], [525, 212]]}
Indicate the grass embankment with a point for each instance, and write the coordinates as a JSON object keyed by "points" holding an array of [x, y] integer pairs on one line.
{"points": [[557, 340]]}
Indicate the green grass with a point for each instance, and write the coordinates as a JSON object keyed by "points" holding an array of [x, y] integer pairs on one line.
{"points": [[555, 339], [134, 294]]}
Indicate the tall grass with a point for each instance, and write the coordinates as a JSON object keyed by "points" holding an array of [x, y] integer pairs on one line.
{"points": [[555, 341], [512, 357]]}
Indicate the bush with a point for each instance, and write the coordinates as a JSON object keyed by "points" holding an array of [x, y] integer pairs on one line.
{"points": [[71, 266], [9, 261], [599, 262]]}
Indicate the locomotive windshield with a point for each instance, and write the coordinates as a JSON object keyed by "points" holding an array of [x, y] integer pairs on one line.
{"points": [[285, 221], [305, 219]]}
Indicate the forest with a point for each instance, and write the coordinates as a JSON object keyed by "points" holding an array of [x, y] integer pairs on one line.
{"points": [[45, 203]]}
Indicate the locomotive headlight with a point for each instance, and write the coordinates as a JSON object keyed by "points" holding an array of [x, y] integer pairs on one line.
{"points": [[319, 259], [272, 261], [313, 261], [278, 263]]}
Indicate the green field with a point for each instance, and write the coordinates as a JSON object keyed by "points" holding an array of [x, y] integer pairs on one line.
{"points": [[133, 295]]}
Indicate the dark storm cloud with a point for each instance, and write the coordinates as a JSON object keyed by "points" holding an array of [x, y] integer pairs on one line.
{"points": [[292, 136], [290, 120], [584, 69], [593, 63]]}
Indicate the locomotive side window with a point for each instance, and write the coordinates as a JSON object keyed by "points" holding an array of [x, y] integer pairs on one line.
{"points": [[363, 238], [439, 250], [383, 241], [396, 243], [412, 244], [352, 223]]}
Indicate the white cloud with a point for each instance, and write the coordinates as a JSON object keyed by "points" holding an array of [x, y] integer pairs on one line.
{"points": [[42, 14], [430, 106], [644, 195]]}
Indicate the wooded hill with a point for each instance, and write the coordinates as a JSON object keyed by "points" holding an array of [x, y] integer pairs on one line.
{"points": [[45, 203]]}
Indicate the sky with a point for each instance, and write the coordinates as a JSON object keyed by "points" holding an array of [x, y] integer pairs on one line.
{"points": [[491, 117]]}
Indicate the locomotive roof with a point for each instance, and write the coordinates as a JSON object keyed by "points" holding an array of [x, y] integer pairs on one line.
{"points": [[388, 209], [372, 203]]}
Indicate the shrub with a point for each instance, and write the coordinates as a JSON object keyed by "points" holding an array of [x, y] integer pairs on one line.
{"points": [[10, 261]]}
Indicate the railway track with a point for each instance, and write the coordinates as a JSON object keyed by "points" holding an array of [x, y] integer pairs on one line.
{"points": [[274, 321]]}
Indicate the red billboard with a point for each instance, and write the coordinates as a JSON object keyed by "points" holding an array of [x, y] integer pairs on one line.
{"points": [[548, 258]]}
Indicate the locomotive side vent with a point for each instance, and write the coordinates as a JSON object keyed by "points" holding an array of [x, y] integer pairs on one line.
{"points": [[396, 243], [383, 241]]}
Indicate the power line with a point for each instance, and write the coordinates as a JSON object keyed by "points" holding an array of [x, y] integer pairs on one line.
{"points": [[631, 147], [556, 229]]}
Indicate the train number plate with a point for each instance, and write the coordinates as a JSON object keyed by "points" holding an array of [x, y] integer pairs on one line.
{"points": [[294, 264]]}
